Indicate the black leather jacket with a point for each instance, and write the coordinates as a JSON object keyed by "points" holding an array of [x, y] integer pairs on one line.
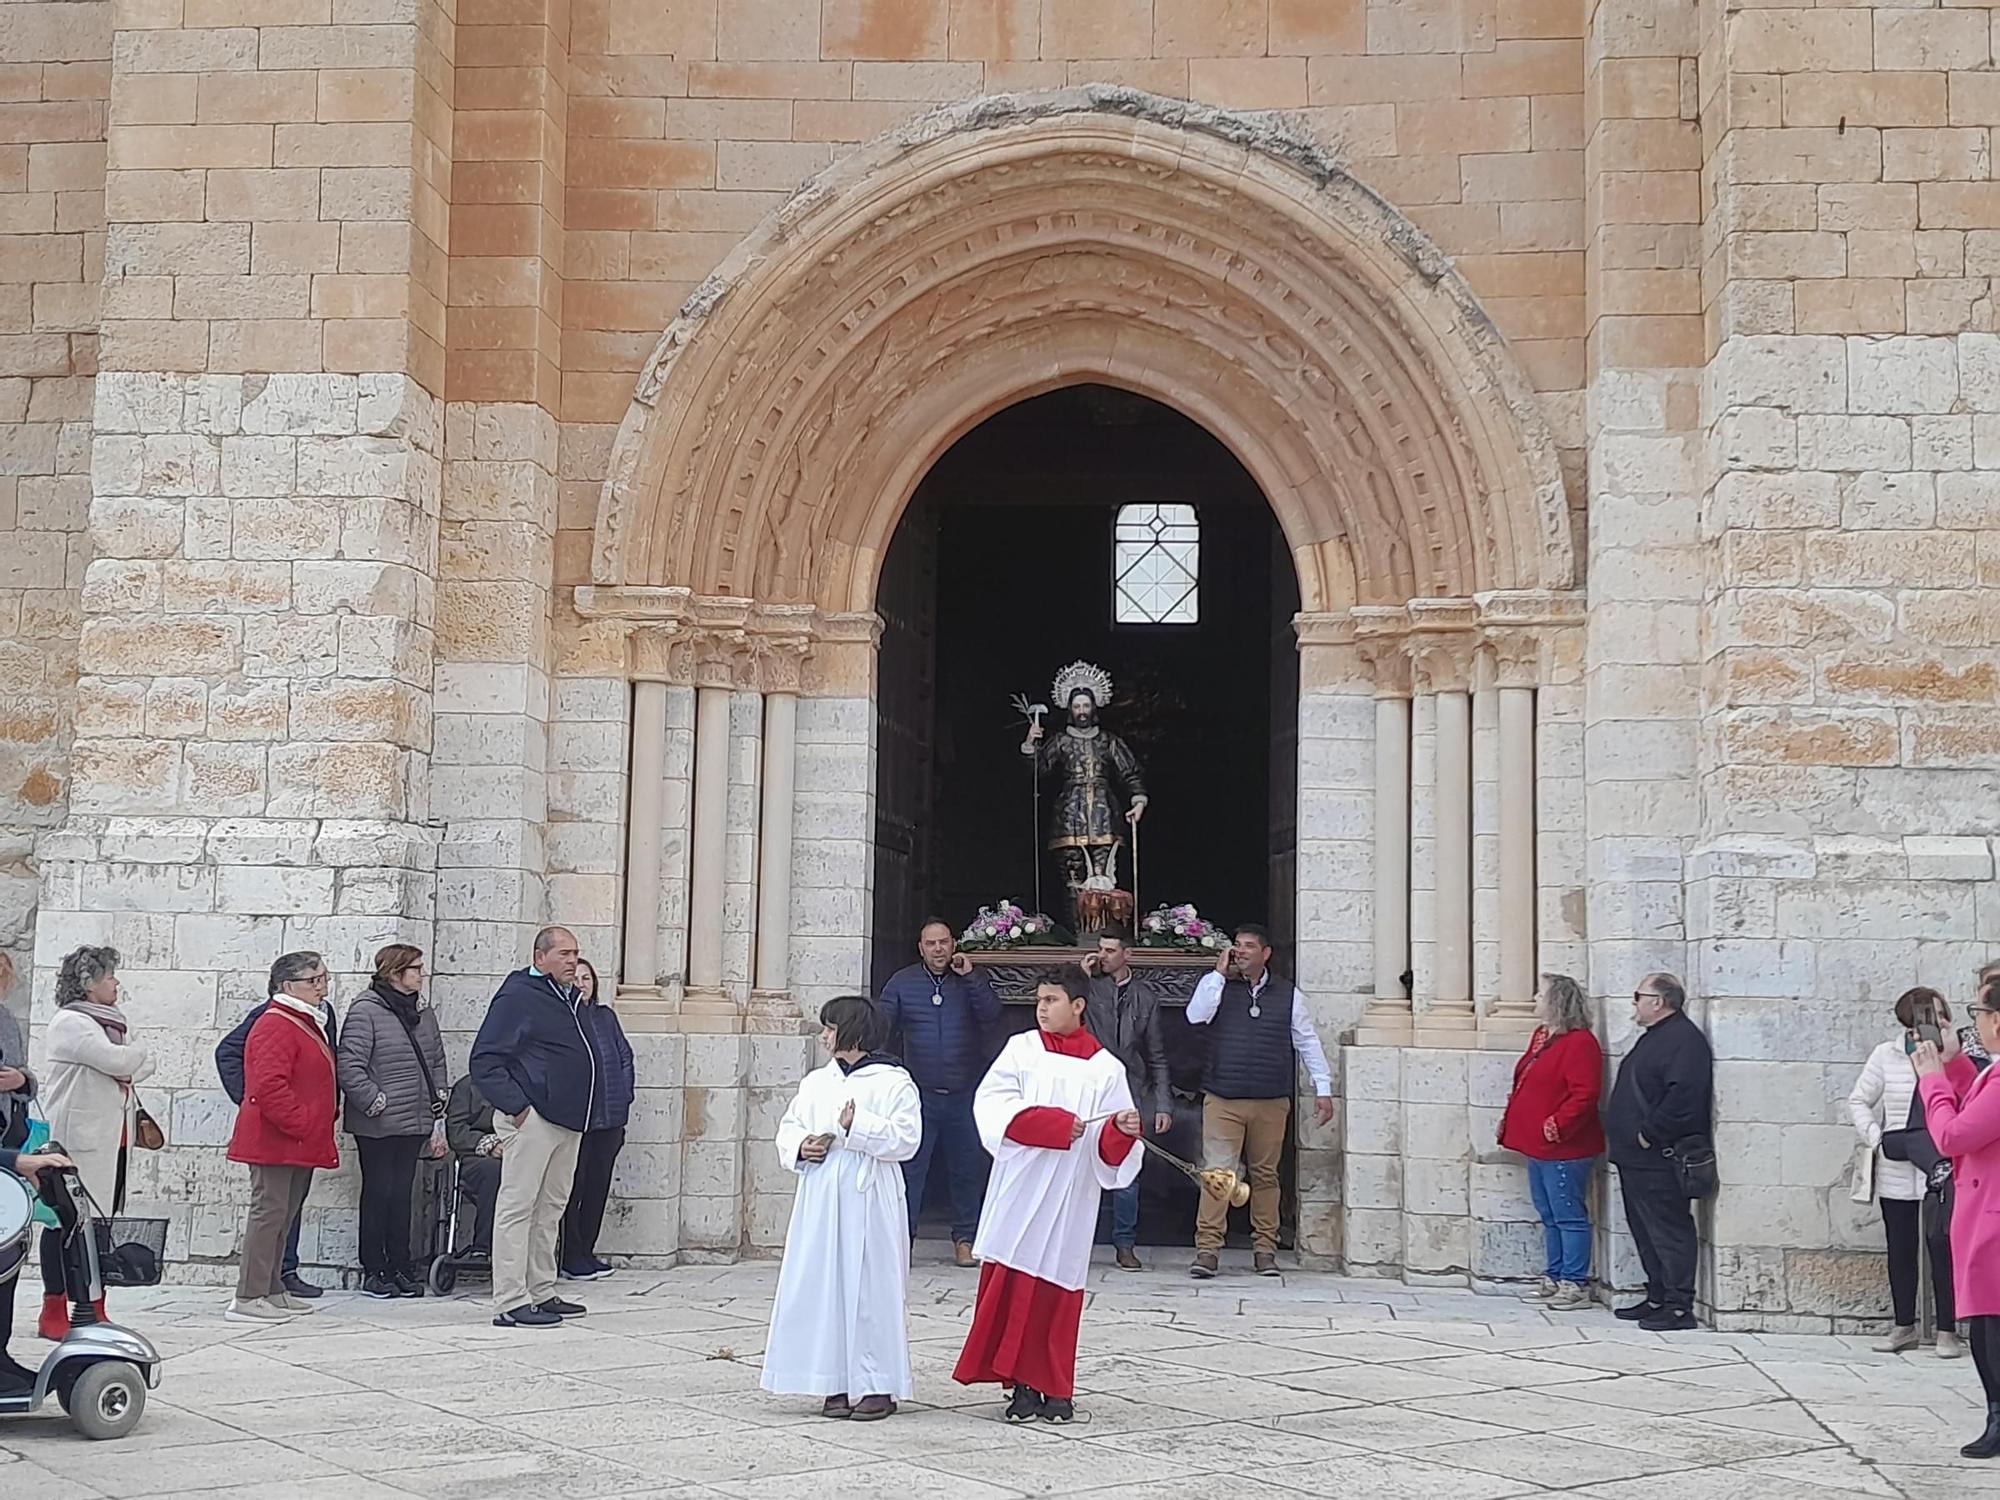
{"points": [[1127, 1020]]}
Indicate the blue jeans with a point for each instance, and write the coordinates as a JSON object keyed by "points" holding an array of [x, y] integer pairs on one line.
{"points": [[949, 1128], [1560, 1190], [1125, 1217]]}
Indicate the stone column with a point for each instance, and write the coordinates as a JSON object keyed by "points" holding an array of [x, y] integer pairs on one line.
{"points": [[705, 1005], [1441, 652], [641, 975], [1485, 836], [1389, 1020], [1517, 665], [771, 1006]]}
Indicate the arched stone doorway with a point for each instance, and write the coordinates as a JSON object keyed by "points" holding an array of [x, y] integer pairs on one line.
{"points": [[987, 253]]}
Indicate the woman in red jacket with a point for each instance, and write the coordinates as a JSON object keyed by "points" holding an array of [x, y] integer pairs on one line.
{"points": [[1551, 1118], [284, 1129]]}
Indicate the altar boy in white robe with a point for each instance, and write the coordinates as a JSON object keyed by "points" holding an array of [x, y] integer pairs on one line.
{"points": [[838, 1328], [1056, 1113]]}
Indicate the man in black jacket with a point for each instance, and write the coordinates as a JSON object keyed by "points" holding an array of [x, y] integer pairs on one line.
{"points": [[1664, 1096], [534, 1063], [1124, 1015], [229, 1066]]}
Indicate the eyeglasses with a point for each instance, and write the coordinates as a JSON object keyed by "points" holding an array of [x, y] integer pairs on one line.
{"points": [[1644, 995], [317, 981]]}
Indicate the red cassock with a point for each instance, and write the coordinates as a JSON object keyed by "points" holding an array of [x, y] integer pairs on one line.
{"points": [[1024, 1328]]}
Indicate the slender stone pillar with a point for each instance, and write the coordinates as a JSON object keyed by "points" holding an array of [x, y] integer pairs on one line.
{"points": [[1389, 1019], [1443, 660], [705, 995], [1515, 1011], [641, 976]]}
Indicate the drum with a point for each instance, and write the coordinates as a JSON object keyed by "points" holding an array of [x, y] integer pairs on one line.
{"points": [[17, 1212]]}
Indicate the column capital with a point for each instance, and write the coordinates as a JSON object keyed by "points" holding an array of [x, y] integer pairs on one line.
{"points": [[780, 638], [1381, 636], [660, 653], [1516, 653]]}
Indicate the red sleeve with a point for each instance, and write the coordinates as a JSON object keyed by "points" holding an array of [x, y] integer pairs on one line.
{"points": [[1042, 1125], [1583, 1081], [1114, 1145]]}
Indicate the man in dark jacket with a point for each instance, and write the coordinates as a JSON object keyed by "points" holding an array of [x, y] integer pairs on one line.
{"points": [[534, 1063], [229, 1067], [1124, 1015], [1664, 1096], [942, 1009]]}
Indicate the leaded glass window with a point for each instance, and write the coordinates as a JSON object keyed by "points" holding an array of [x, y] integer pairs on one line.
{"points": [[1156, 560]]}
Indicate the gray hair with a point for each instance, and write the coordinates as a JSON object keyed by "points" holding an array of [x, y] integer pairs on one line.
{"points": [[80, 970], [1671, 991], [291, 966], [546, 939], [1568, 1009]]}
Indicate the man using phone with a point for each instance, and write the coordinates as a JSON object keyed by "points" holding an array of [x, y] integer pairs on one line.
{"points": [[1260, 1031]]}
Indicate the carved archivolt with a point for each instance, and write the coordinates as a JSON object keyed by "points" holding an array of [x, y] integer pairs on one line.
{"points": [[1002, 248]]}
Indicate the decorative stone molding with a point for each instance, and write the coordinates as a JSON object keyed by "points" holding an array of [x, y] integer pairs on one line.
{"points": [[660, 653], [1441, 644], [1207, 259], [1381, 636]]}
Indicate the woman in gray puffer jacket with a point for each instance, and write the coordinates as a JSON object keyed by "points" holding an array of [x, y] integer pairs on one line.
{"points": [[392, 1075]]}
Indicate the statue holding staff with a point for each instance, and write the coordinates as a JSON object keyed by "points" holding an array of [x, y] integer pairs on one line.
{"points": [[1094, 768]]}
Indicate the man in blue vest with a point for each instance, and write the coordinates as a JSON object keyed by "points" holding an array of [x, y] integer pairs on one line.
{"points": [[1259, 1031], [942, 1009]]}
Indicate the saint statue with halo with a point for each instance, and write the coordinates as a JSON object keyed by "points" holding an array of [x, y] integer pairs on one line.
{"points": [[1089, 761]]}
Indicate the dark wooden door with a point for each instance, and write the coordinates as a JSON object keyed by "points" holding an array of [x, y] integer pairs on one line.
{"points": [[905, 704]]}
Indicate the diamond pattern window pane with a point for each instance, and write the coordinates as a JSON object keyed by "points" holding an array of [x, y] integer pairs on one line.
{"points": [[1156, 557]]}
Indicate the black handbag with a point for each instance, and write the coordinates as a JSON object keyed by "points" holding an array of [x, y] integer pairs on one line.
{"points": [[1693, 1159]]}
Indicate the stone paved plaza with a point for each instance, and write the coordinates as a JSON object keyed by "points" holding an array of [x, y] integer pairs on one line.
{"points": [[1314, 1384]]}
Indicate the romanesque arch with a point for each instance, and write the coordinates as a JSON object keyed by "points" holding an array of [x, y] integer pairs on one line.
{"points": [[1000, 248]]}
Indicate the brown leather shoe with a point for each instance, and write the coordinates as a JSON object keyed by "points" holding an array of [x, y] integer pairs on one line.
{"points": [[1206, 1264], [1264, 1264], [873, 1408], [1128, 1260], [961, 1253]]}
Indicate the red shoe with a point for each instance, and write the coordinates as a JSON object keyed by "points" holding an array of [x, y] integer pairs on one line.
{"points": [[55, 1318]]}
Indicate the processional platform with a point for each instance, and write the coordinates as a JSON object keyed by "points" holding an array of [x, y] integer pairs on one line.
{"points": [[1015, 972]]}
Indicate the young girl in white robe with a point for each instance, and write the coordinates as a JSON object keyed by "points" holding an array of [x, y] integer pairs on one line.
{"points": [[838, 1328]]}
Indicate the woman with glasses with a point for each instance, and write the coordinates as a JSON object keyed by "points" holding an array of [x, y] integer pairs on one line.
{"points": [[284, 1130], [1962, 1113], [1880, 1105], [392, 1074], [87, 1098]]}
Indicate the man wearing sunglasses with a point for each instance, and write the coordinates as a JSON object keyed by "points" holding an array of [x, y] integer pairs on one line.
{"points": [[1662, 1101]]}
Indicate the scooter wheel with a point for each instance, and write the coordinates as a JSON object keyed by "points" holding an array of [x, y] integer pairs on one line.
{"points": [[444, 1276], [107, 1400]]}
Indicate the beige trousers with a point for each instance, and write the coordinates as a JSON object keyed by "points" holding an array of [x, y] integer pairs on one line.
{"points": [[1251, 1131], [537, 1167], [276, 1196]]}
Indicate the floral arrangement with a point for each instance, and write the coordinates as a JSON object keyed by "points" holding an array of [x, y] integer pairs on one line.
{"points": [[1005, 924], [1182, 927]]}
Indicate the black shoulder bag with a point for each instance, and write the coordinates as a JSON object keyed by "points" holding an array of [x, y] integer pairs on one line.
{"points": [[1693, 1159]]}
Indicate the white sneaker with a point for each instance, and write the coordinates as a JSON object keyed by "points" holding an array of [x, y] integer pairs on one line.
{"points": [[291, 1304], [1544, 1290], [255, 1310], [1570, 1296]]}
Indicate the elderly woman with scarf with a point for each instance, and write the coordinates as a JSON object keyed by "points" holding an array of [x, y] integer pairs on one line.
{"points": [[392, 1075], [88, 1099]]}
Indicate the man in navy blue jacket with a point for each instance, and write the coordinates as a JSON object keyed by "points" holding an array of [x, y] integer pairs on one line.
{"points": [[944, 1011], [534, 1062], [229, 1065]]}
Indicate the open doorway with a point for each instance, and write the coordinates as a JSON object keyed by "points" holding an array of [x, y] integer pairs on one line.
{"points": [[1096, 524]]}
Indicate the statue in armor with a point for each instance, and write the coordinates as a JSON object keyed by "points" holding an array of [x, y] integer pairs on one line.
{"points": [[1089, 762]]}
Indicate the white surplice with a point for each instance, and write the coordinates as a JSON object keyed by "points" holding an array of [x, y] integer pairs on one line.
{"points": [[838, 1325], [1041, 1205]]}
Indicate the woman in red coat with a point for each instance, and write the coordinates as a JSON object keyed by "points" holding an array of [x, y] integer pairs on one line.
{"points": [[1551, 1118], [284, 1129]]}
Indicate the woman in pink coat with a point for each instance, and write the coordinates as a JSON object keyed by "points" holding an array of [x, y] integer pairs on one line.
{"points": [[1962, 1110]]}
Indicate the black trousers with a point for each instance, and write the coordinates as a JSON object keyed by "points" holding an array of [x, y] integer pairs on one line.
{"points": [[584, 1218], [388, 1173], [1662, 1223], [1983, 1334], [479, 1182], [1901, 1228]]}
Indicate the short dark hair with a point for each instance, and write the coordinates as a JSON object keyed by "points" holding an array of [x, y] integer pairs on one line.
{"points": [[1256, 930], [857, 1023], [1989, 994], [1071, 980], [929, 922], [1115, 933], [1672, 993], [392, 960], [81, 968], [1924, 1001]]}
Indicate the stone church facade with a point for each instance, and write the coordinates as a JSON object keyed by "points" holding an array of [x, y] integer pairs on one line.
{"points": [[447, 448]]}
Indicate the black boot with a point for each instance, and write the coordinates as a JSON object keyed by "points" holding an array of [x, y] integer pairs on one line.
{"points": [[1026, 1405], [1987, 1444]]}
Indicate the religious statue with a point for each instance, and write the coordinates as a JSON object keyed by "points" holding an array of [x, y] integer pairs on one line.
{"points": [[1088, 759]]}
